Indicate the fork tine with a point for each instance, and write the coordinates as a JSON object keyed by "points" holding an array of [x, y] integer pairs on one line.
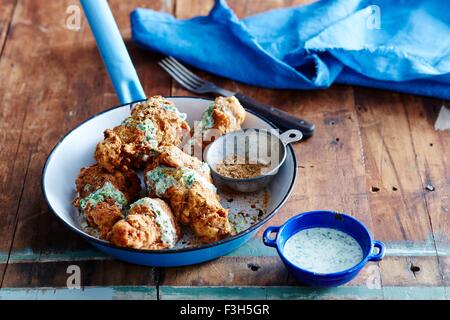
{"points": [[181, 80], [186, 70], [186, 75], [180, 75]]}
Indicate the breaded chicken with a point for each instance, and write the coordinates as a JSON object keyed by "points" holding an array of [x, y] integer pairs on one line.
{"points": [[123, 147], [102, 216], [170, 124], [204, 213], [225, 115], [186, 185], [173, 156], [149, 224], [228, 114], [153, 123], [102, 196]]}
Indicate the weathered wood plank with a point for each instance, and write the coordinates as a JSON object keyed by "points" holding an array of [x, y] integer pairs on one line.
{"points": [[397, 172], [5, 19], [92, 273], [86, 293], [444, 264], [431, 146], [433, 162], [396, 198], [267, 293], [257, 271], [235, 293], [41, 101], [302, 293], [411, 271], [189, 8]]}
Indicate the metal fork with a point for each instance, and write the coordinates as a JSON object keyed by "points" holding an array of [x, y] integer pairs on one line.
{"points": [[194, 83]]}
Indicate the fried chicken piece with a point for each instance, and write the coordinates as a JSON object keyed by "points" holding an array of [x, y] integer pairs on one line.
{"points": [[153, 123], [150, 224], [102, 196], [225, 115], [204, 213], [228, 114], [122, 148], [171, 126], [137, 231], [94, 177], [174, 157], [190, 193], [103, 216]]}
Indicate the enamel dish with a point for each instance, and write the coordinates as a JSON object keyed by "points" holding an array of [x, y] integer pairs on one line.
{"points": [[76, 149]]}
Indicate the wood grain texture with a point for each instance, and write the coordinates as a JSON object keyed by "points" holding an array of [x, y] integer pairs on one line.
{"points": [[411, 271], [400, 144], [92, 273], [373, 155], [6, 15], [396, 191], [432, 160], [190, 8], [245, 271]]}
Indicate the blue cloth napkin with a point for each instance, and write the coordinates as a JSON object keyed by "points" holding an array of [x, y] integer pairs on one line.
{"points": [[396, 45]]}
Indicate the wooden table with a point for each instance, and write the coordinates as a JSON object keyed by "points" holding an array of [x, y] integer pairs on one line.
{"points": [[373, 155]]}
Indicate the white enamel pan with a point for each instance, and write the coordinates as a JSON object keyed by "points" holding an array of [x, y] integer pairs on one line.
{"points": [[76, 149]]}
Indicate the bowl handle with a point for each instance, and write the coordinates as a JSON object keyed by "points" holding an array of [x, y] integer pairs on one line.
{"points": [[292, 135], [266, 236], [381, 251]]}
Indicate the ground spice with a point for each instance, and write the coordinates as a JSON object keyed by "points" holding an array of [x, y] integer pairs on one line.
{"points": [[234, 166]]}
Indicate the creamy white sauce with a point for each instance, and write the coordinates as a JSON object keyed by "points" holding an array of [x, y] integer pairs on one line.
{"points": [[323, 250], [162, 219]]}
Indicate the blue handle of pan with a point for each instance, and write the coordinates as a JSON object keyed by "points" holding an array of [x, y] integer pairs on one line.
{"points": [[113, 51]]}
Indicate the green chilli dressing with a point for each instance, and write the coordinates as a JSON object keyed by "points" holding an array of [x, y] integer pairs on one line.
{"points": [[169, 107], [323, 250], [100, 195], [207, 121], [147, 127], [161, 179]]}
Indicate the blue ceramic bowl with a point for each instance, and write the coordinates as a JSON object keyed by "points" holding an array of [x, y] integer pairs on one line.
{"points": [[325, 219]]}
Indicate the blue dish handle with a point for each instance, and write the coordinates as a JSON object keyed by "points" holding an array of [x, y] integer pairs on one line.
{"points": [[113, 51], [266, 236], [381, 251]]}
